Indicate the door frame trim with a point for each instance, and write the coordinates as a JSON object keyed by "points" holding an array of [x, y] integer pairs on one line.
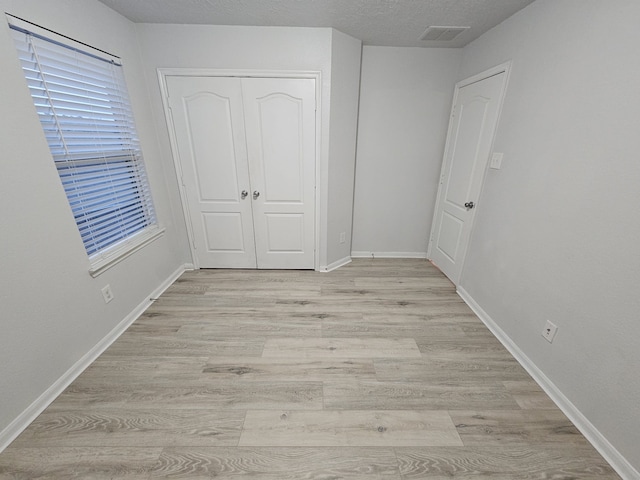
{"points": [[491, 72], [163, 73]]}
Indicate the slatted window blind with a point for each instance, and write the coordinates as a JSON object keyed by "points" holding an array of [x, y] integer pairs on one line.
{"points": [[83, 106]]}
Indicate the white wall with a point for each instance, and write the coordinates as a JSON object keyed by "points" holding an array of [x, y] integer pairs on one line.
{"points": [[345, 88], [557, 229], [242, 49], [405, 101], [52, 312]]}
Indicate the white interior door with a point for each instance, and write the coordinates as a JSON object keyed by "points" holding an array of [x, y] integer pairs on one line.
{"points": [[246, 155], [280, 124], [472, 126], [208, 124]]}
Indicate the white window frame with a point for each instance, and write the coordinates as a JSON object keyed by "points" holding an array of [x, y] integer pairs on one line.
{"points": [[86, 116]]}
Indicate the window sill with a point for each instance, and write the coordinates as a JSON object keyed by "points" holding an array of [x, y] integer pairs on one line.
{"points": [[106, 260]]}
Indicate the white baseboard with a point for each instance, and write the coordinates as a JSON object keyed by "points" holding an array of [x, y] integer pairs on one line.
{"points": [[389, 254], [22, 421], [591, 433], [340, 263]]}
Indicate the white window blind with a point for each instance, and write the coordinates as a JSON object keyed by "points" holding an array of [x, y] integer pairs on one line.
{"points": [[83, 106]]}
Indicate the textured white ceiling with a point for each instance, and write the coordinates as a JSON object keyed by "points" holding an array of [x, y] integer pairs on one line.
{"points": [[397, 23]]}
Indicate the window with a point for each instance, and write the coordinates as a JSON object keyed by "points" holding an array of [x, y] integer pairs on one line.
{"points": [[83, 106]]}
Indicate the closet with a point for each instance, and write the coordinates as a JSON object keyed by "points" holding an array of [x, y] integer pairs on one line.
{"points": [[245, 150]]}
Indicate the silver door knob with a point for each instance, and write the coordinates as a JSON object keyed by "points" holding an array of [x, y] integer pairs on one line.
{"points": [[469, 205], [244, 194], [256, 194]]}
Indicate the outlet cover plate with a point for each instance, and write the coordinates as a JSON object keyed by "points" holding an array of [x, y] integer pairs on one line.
{"points": [[496, 161], [107, 294], [549, 331]]}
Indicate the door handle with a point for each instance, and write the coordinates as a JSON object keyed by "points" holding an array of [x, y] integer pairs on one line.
{"points": [[469, 205], [244, 194], [256, 194]]}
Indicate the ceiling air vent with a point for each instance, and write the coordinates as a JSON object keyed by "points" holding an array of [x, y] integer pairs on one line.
{"points": [[442, 34]]}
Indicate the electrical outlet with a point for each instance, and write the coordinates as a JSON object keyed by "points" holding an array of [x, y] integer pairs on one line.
{"points": [[549, 331], [496, 161], [107, 294], [343, 237]]}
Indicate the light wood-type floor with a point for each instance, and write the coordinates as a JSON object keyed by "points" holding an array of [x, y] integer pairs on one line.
{"points": [[377, 370]]}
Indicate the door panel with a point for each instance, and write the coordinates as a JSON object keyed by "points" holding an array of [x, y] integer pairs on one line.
{"points": [[285, 232], [449, 238], [209, 130], [470, 127], [473, 123], [223, 232], [280, 125], [212, 149]]}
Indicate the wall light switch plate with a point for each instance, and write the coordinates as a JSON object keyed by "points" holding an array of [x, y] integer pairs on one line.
{"points": [[496, 161]]}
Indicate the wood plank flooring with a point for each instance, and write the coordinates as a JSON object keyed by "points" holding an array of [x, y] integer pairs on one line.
{"points": [[377, 370]]}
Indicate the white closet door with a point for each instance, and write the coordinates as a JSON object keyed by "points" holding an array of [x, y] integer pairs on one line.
{"points": [[246, 154], [207, 119], [280, 124]]}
